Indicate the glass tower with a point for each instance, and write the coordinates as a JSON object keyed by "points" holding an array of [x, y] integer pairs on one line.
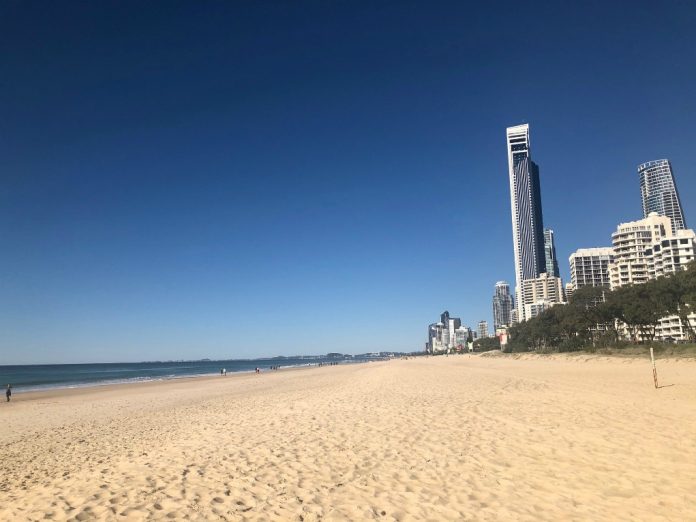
{"points": [[550, 254], [659, 193]]}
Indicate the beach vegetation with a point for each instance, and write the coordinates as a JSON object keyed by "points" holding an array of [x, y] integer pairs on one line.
{"points": [[486, 344], [598, 318]]}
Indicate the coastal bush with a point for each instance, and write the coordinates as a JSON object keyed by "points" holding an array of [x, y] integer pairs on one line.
{"points": [[589, 321], [573, 344], [487, 344]]}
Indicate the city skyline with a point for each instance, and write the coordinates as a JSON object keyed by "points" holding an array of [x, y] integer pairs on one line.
{"points": [[171, 180]]}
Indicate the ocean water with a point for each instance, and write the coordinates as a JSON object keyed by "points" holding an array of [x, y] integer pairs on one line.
{"points": [[47, 376]]}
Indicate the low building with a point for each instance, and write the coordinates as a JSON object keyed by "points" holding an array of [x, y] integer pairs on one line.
{"points": [[590, 267]]}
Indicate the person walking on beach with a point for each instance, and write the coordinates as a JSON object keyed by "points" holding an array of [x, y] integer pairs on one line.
{"points": [[8, 393]]}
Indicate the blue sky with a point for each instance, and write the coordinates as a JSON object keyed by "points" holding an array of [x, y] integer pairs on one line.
{"points": [[211, 179]]}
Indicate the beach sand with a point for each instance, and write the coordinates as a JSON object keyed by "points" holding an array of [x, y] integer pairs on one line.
{"points": [[444, 438]]}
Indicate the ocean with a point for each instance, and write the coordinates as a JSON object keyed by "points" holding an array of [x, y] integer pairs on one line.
{"points": [[47, 376]]}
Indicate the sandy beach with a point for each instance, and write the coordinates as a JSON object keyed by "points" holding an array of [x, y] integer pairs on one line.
{"points": [[446, 438]]}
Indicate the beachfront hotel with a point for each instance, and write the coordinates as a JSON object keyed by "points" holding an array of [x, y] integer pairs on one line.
{"points": [[629, 242], [659, 192], [527, 216], [647, 249]]}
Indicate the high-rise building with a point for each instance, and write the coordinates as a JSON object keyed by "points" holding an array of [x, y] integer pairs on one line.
{"points": [[630, 241], [482, 329], [659, 192], [540, 293], [550, 260], [667, 256], [527, 216], [590, 267], [502, 305], [648, 249]]}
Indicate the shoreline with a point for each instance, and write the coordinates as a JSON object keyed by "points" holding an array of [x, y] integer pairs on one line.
{"points": [[25, 390], [145, 384]]}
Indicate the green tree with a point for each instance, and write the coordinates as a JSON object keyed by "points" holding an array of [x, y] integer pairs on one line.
{"points": [[640, 307], [678, 293], [486, 344]]}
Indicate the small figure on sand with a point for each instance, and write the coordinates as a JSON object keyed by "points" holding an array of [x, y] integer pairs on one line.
{"points": [[8, 393]]}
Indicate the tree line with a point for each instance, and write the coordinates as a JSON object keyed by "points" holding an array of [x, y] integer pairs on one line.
{"points": [[597, 317]]}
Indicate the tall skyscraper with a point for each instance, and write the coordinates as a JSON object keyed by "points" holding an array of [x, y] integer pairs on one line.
{"points": [[550, 254], [502, 305], [527, 218], [659, 192]]}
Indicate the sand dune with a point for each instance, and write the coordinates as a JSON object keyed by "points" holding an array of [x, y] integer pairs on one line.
{"points": [[447, 438]]}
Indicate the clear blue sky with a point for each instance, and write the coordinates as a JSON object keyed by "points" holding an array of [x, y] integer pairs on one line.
{"points": [[236, 179]]}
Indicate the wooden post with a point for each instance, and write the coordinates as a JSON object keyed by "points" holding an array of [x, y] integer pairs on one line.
{"points": [[652, 358]]}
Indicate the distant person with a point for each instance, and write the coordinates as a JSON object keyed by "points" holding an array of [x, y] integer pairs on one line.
{"points": [[224, 371], [221, 370], [8, 393]]}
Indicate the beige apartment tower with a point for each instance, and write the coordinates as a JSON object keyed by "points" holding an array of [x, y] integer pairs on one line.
{"points": [[630, 241]]}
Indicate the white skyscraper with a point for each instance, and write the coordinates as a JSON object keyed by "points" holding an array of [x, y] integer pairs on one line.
{"points": [[525, 204]]}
